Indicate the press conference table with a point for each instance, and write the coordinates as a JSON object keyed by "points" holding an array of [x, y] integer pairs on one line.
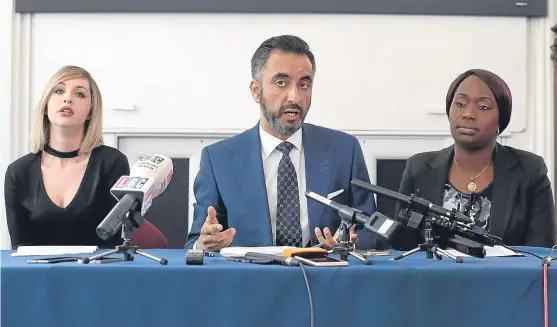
{"points": [[411, 292]]}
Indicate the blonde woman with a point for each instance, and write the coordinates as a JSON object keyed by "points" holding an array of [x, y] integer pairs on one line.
{"points": [[60, 192]]}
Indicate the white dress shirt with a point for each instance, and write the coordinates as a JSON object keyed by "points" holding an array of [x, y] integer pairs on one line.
{"points": [[271, 157]]}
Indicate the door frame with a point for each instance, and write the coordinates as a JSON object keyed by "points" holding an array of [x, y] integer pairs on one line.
{"points": [[554, 58]]}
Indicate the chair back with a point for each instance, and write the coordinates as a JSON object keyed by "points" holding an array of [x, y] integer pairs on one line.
{"points": [[147, 236]]}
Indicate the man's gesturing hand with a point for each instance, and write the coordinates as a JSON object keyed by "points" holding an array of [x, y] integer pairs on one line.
{"points": [[211, 237]]}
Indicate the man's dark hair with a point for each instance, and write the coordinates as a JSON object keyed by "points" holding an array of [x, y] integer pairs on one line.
{"points": [[286, 43]]}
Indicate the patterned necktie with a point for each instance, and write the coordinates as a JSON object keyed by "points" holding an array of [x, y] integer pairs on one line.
{"points": [[289, 232]]}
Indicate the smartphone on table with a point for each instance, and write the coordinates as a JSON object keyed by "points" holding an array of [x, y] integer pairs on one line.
{"points": [[322, 261]]}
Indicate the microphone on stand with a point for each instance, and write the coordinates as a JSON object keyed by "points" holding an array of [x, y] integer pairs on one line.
{"points": [[419, 204], [380, 225], [148, 178]]}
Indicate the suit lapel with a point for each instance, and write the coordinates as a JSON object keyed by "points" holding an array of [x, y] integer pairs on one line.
{"points": [[505, 185], [434, 180], [250, 178], [318, 165]]}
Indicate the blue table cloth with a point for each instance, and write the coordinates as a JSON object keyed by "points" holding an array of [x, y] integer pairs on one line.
{"points": [[414, 291]]}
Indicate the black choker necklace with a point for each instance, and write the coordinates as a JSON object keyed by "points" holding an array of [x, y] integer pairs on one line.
{"points": [[65, 155]]}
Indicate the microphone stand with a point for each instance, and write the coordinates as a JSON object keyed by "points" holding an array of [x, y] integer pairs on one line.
{"points": [[127, 248], [430, 246], [345, 247]]}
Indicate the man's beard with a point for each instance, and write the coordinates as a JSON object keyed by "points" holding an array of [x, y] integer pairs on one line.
{"points": [[273, 119]]}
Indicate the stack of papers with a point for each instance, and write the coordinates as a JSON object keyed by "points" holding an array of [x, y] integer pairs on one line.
{"points": [[24, 251], [490, 251]]}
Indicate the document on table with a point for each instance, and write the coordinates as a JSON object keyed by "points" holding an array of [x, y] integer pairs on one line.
{"points": [[23, 251], [491, 251]]}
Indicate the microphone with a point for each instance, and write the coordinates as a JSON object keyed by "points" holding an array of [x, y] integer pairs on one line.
{"points": [[275, 258], [148, 178], [453, 228], [380, 225], [424, 206]]}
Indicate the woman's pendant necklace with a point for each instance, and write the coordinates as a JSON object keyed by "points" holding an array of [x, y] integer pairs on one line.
{"points": [[472, 186]]}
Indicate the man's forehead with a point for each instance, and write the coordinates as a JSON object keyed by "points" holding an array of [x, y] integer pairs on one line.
{"points": [[292, 64]]}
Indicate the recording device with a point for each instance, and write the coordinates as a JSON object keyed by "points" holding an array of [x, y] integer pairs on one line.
{"points": [[148, 178], [272, 258], [195, 257], [445, 228], [380, 225]]}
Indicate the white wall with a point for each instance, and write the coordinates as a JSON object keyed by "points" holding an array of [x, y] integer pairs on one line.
{"points": [[376, 75], [374, 72]]}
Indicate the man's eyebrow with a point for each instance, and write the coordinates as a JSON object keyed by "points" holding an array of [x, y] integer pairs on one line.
{"points": [[281, 75]]}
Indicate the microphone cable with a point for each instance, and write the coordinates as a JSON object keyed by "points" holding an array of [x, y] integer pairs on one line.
{"points": [[546, 262], [271, 258], [304, 271]]}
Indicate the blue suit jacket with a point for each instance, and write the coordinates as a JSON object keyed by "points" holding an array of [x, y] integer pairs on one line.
{"points": [[231, 179]]}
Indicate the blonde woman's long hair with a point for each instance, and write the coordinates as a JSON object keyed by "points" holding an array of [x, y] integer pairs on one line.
{"points": [[40, 134]]}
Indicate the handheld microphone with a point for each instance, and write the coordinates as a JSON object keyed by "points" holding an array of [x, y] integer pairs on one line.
{"points": [[424, 205], [148, 178], [275, 258], [379, 224]]}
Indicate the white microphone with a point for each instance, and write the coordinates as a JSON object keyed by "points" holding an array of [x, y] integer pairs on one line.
{"points": [[148, 178]]}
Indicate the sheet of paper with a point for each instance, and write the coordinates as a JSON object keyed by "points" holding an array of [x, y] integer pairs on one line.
{"points": [[24, 251], [240, 251], [491, 251]]}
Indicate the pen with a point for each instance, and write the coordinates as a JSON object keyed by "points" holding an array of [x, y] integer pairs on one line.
{"points": [[38, 261], [53, 260]]}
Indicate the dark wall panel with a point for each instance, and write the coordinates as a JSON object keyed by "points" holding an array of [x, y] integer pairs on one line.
{"points": [[530, 8]]}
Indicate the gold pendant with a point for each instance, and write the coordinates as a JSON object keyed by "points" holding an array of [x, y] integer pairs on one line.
{"points": [[472, 186]]}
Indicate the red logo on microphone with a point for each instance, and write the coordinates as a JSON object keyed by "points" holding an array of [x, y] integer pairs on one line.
{"points": [[122, 182]]}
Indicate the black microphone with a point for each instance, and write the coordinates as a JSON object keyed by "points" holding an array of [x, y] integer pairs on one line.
{"points": [[273, 258], [452, 228], [115, 218], [380, 225], [424, 206]]}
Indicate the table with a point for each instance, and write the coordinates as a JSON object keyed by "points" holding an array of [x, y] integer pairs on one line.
{"points": [[414, 291]]}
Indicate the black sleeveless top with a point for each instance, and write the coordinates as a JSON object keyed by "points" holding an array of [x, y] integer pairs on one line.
{"points": [[33, 219]]}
